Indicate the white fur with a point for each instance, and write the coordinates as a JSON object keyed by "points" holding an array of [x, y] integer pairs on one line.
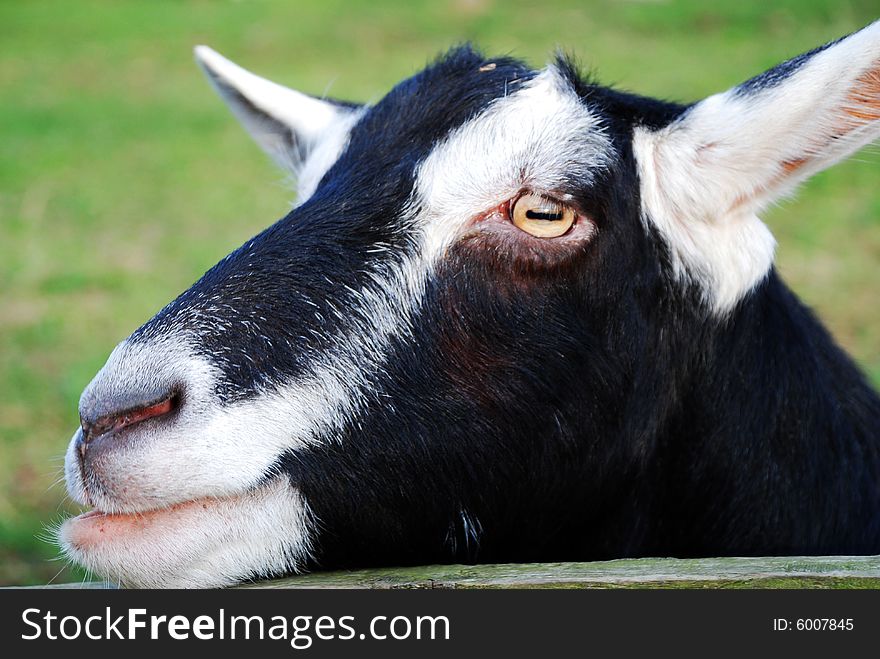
{"points": [[325, 152], [706, 176], [209, 544], [726, 256]]}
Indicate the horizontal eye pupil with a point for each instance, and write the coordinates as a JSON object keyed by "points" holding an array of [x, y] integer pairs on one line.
{"points": [[544, 215]]}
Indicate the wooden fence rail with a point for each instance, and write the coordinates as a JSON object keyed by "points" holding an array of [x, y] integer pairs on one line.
{"points": [[762, 572]]}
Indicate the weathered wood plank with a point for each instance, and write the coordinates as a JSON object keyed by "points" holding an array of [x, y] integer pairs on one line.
{"points": [[823, 571], [761, 572]]}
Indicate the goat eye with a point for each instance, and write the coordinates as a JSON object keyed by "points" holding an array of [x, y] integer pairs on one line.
{"points": [[542, 217]]}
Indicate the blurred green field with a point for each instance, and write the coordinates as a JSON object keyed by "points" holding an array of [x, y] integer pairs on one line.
{"points": [[123, 178]]}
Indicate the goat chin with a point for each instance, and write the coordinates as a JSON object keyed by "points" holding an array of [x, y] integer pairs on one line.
{"points": [[206, 542]]}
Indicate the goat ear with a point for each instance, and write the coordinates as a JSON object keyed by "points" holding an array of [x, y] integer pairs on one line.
{"points": [[287, 124], [706, 175], [750, 145]]}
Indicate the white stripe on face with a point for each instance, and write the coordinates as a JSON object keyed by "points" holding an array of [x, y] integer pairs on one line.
{"points": [[537, 138]]}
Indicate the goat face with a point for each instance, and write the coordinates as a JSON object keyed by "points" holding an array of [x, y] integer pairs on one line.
{"points": [[461, 343]]}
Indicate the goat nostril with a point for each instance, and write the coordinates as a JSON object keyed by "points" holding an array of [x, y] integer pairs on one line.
{"points": [[105, 423]]}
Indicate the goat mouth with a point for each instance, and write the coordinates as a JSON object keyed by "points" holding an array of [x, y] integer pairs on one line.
{"points": [[205, 541]]}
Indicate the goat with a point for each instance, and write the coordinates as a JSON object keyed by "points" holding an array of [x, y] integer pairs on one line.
{"points": [[514, 316]]}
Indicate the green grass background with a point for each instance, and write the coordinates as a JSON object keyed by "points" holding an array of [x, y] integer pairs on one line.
{"points": [[122, 177]]}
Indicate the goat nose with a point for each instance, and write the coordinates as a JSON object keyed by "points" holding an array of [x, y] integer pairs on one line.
{"points": [[99, 416]]}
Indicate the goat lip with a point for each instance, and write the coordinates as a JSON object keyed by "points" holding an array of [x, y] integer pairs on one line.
{"points": [[96, 513], [90, 514], [97, 527]]}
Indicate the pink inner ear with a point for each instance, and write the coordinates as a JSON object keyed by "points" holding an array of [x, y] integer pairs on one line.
{"points": [[863, 102]]}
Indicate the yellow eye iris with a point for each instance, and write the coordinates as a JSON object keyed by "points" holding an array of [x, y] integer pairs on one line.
{"points": [[542, 217]]}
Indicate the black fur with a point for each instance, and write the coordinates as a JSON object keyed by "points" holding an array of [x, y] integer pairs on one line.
{"points": [[781, 72]]}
